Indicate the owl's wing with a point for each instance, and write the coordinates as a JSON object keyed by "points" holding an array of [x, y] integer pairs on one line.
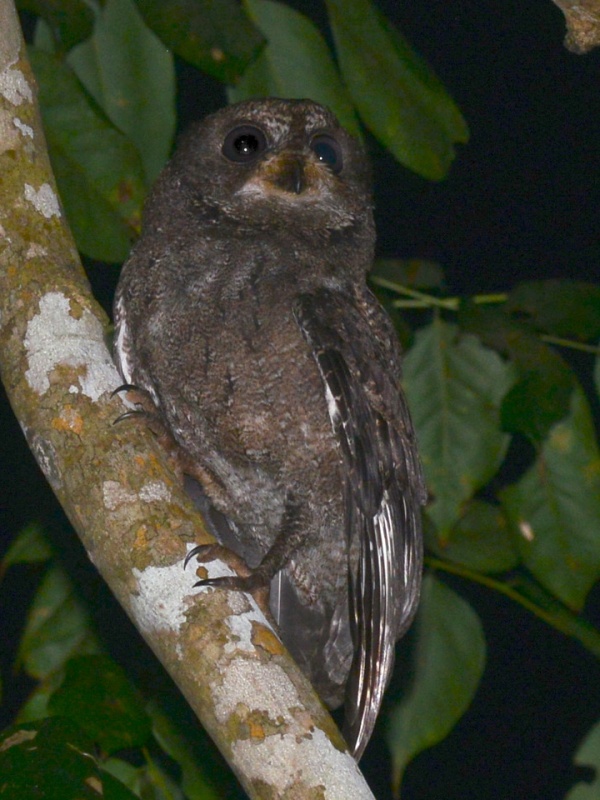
{"points": [[355, 348]]}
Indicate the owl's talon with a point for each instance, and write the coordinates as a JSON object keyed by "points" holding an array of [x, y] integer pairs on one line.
{"points": [[124, 387], [246, 580], [199, 550]]}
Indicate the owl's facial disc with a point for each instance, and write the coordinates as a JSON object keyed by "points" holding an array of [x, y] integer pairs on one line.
{"points": [[303, 164]]}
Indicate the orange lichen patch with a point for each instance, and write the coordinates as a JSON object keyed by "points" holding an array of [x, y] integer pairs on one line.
{"points": [[69, 420], [256, 730], [141, 536], [139, 461], [265, 638]]}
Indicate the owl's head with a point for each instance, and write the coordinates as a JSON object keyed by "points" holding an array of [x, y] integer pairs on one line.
{"points": [[274, 163]]}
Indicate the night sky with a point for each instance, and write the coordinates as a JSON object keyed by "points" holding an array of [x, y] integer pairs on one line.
{"points": [[522, 202]]}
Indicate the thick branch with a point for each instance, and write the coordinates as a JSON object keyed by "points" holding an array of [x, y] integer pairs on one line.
{"points": [[583, 24], [120, 493]]}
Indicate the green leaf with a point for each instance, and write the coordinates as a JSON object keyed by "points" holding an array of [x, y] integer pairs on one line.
{"points": [[130, 74], [57, 627], [449, 662], [455, 387], [98, 696], [397, 95], [542, 394], [597, 374], [218, 38], [29, 547], [52, 760], [98, 170], [562, 308], [480, 540], [70, 21], [555, 508], [555, 613], [296, 62], [185, 746], [149, 781], [588, 755]]}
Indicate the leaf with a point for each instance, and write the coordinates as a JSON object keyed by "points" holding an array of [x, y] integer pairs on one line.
{"points": [[97, 695], [555, 613], [480, 540], [185, 746], [218, 38], [455, 387], [397, 95], [98, 171], [149, 781], [51, 760], [57, 627], [70, 21], [29, 547], [562, 308], [555, 508], [296, 62], [130, 74], [541, 395], [588, 755], [448, 665]]}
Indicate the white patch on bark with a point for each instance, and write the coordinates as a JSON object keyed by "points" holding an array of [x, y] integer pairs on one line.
{"points": [[35, 251], [56, 338], [160, 603], [115, 494], [240, 622], [311, 761], [14, 87], [44, 200], [26, 130], [155, 491], [274, 695], [45, 455]]}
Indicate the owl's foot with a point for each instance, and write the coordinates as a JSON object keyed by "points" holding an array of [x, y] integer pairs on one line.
{"points": [[255, 581], [145, 407], [147, 412]]}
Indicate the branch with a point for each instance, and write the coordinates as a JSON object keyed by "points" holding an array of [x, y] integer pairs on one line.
{"points": [[120, 492], [583, 24]]}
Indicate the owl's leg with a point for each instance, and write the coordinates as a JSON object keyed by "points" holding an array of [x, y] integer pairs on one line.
{"points": [[291, 534]]}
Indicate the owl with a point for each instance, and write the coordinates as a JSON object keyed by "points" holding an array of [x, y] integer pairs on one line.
{"points": [[243, 313]]}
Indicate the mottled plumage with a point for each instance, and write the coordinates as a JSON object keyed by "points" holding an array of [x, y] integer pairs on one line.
{"points": [[243, 312]]}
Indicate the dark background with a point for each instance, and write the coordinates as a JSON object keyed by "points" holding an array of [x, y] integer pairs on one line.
{"points": [[521, 202]]}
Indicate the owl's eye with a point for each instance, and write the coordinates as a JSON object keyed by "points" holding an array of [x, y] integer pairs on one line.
{"points": [[244, 144], [328, 151]]}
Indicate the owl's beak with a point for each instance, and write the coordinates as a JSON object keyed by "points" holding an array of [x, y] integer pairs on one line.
{"points": [[287, 173]]}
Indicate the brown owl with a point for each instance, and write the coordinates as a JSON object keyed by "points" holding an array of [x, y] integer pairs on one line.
{"points": [[244, 313]]}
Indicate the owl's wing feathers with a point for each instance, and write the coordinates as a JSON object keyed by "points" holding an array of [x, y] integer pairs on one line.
{"points": [[355, 349]]}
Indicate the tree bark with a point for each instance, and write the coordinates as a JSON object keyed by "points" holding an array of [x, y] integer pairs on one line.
{"points": [[583, 24], [121, 493]]}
